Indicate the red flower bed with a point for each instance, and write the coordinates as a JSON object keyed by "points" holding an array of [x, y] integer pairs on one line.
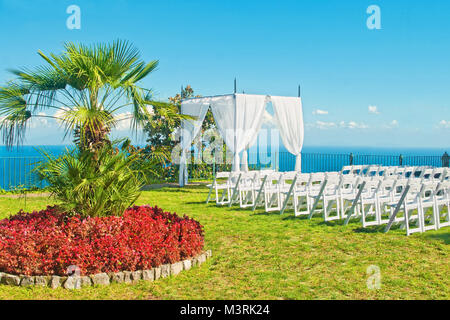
{"points": [[48, 242]]}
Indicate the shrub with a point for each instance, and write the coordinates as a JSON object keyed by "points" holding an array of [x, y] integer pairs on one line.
{"points": [[48, 242], [94, 184]]}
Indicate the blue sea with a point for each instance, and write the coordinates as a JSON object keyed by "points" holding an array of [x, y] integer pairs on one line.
{"points": [[16, 164]]}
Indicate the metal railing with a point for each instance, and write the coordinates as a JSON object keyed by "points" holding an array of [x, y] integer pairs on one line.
{"points": [[17, 172]]}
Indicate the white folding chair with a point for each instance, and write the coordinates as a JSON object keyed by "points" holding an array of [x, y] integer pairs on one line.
{"points": [[260, 185], [348, 189], [221, 184], [301, 194], [385, 196], [287, 186], [330, 197], [442, 200], [316, 187], [409, 204], [272, 195], [234, 180], [369, 203], [326, 192], [428, 205], [246, 189]]}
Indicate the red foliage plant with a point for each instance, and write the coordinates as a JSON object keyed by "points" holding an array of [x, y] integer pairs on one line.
{"points": [[48, 242]]}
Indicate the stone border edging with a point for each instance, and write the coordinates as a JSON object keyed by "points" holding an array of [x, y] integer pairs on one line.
{"points": [[77, 282]]}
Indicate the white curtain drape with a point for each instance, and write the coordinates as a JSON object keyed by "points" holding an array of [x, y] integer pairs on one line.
{"points": [[189, 130], [289, 117], [250, 123], [238, 118]]}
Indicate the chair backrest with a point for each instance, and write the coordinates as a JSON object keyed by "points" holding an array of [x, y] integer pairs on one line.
{"points": [[248, 178], [415, 189], [234, 176], [357, 169], [400, 172], [316, 179], [386, 187], [333, 182], [273, 178], [399, 186], [371, 171], [429, 190], [371, 188], [442, 190], [221, 178], [303, 179], [427, 174], [418, 173], [348, 182], [389, 172], [346, 170], [332, 174], [288, 177], [409, 172], [381, 170], [439, 174], [223, 175], [263, 173]]}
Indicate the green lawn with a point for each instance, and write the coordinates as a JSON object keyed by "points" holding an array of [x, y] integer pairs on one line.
{"points": [[268, 256]]}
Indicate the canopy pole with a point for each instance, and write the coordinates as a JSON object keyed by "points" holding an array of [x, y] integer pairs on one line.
{"points": [[182, 175], [235, 87], [299, 91]]}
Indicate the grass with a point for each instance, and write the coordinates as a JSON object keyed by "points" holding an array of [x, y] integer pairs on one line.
{"points": [[268, 256]]}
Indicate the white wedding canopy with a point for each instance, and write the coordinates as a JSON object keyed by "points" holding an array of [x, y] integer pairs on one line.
{"points": [[238, 118]]}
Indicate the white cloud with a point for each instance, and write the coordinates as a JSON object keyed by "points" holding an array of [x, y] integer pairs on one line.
{"points": [[319, 112], [123, 121], [373, 110], [445, 124], [322, 125], [392, 124], [353, 125], [39, 121]]}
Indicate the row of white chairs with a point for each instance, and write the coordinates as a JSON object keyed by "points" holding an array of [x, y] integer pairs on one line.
{"points": [[375, 198], [423, 172]]}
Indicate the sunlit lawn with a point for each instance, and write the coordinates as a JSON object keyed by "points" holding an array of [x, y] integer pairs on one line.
{"points": [[268, 256]]}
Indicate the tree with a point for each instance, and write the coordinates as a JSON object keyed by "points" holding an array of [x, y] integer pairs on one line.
{"points": [[85, 87], [162, 132]]}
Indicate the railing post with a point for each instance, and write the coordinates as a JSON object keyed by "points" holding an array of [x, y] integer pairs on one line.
{"points": [[445, 160], [351, 159], [400, 160]]}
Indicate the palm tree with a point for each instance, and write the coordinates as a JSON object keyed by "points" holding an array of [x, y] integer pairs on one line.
{"points": [[85, 87]]}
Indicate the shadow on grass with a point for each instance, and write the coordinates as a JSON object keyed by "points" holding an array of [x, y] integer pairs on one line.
{"points": [[374, 229], [445, 237]]}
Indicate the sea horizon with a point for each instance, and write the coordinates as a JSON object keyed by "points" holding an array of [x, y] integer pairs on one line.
{"points": [[34, 150]]}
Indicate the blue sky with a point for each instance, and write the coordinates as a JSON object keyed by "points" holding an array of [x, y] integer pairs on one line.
{"points": [[360, 87]]}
